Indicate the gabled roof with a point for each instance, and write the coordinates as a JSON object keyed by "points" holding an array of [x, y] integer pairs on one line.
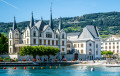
{"points": [[34, 27], [45, 27], [17, 30], [93, 30], [116, 36], [40, 25]]}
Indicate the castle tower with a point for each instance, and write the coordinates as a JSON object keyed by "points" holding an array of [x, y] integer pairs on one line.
{"points": [[14, 38], [32, 21], [11, 38]]}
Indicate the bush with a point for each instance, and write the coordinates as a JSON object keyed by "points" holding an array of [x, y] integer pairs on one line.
{"points": [[0, 58], [6, 59]]}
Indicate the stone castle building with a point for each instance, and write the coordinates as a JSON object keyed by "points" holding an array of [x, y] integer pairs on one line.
{"points": [[36, 34], [82, 45]]}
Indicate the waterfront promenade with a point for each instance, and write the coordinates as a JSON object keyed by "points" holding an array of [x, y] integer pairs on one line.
{"points": [[37, 63], [64, 63], [31, 63]]}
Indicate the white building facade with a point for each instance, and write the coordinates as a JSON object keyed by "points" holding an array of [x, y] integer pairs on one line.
{"points": [[73, 46], [112, 43], [37, 34], [84, 45]]}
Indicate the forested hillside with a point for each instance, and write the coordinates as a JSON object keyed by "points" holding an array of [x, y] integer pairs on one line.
{"points": [[107, 23]]}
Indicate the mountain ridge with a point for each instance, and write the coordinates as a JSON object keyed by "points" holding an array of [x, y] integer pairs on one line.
{"points": [[107, 23]]}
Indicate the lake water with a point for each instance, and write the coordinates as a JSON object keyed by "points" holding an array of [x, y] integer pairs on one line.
{"points": [[60, 71]]}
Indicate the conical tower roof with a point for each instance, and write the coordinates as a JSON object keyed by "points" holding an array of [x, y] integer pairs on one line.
{"points": [[14, 24], [32, 21]]}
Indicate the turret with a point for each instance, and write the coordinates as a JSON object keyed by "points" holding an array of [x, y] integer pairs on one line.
{"points": [[32, 21], [14, 24], [51, 22], [60, 24]]}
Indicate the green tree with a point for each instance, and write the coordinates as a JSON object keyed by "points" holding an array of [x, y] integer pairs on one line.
{"points": [[26, 50], [38, 50], [3, 44], [106, 53], [51, 51], [34, 52]]}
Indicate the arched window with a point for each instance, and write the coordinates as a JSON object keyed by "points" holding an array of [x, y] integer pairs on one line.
{"points": [[16, 35], [10, 50], [90, 51], [62, 36], [34, 33], [27, 33], [10, 43], [10, 35]]}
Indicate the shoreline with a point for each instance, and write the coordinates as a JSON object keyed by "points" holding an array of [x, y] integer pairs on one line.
{"points": [[64, 63], [58, 63]]}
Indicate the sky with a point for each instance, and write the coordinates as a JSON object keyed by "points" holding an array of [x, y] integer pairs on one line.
{"points": [[22, 9]]}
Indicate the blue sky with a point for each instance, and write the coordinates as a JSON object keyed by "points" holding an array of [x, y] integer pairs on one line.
{"points": [[22, 9]]}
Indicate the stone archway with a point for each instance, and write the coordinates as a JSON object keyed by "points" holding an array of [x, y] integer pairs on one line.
{"points": [[76, 56]]}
